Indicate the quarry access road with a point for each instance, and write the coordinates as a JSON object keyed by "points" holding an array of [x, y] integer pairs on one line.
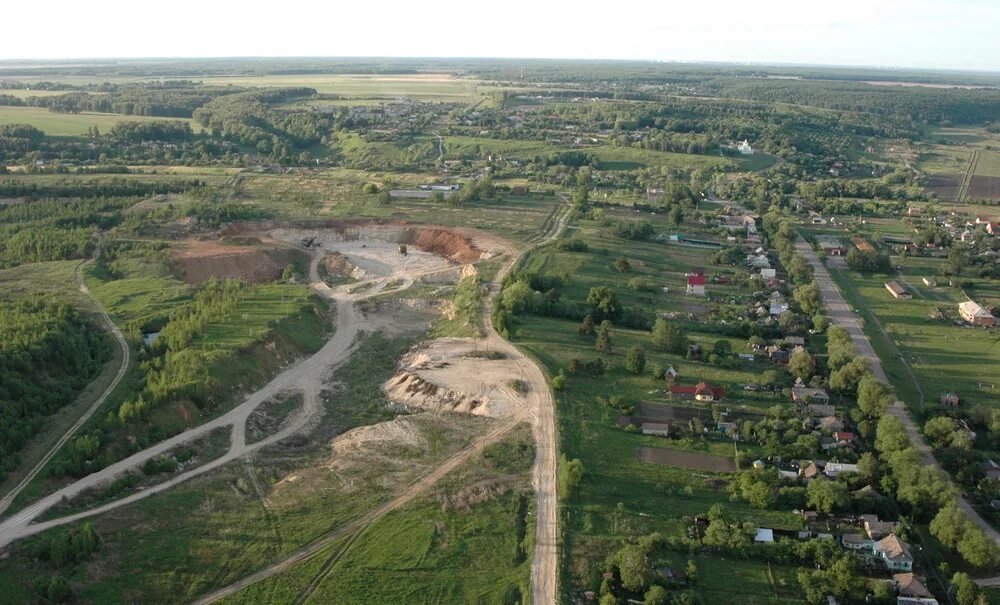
{"points": [[305, 376], [540, 410]]}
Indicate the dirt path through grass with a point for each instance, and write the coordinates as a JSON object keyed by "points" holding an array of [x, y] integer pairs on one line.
{"points": [[10, 496]]}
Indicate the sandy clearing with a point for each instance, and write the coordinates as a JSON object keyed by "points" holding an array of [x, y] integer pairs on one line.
{"points": [[450, 374]]}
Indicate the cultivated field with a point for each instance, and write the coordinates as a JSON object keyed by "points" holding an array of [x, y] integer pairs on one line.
{"points": [[72, 124]]}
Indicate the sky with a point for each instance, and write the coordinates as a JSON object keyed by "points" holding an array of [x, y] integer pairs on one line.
{"points": [[956, 34]]}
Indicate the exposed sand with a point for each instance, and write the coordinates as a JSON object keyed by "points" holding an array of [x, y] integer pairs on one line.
{"points": [[449, 374]]}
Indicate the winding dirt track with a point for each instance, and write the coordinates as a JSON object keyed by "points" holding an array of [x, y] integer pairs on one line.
{"points": [[306, 377], [9, 497]]}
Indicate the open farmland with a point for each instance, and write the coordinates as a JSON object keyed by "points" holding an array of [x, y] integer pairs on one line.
{"points": [[691, 460], [71, 124]]}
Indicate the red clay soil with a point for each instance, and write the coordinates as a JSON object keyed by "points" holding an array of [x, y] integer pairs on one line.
{"points": [[197, 261], [442, 242]]}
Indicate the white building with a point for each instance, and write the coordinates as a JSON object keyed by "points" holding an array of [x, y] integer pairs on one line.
{"points": [[745, 147]]}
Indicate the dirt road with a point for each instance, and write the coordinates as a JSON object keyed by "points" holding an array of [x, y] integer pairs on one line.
{"points": [[841, 314], [9, 497], [540, 409], [305, 376]]}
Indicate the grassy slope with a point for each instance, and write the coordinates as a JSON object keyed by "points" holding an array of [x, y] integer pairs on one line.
{"points": [[428, 553]]}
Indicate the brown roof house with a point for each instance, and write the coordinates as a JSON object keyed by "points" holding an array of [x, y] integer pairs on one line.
{"points": [[894, 553], [910, 585], [950, 400], [975, 314], [897, 290], [831, 424]]}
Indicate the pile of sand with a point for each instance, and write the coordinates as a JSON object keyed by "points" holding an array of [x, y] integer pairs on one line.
{"points": [[455, 375]]}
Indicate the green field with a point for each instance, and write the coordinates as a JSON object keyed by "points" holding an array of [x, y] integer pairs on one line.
{"points": [[426, 551], [609, 157], [988, 164], [621, 496], [72, 124], [943, 356]]}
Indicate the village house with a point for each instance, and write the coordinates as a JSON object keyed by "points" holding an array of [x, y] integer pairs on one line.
{"points": [[670, 374], [696, 284], [877, 529], [844, 436], [916, 601], [806, 395], [831, 246], [975, 314], [950, 400], [768, 273], [809, 471], [991, 469], [863, 245], [909, 585], [699, 392], [856, 542], [820, 410], [776, 354], [894, 553], [656, 428], [831, 424], [930, 282], [835, 469], [897, 290]]}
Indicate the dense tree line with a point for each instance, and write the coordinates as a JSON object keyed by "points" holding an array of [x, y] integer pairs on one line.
{"points": [[248, 119], [55, 229], [163, 130], [47, 354], [113, 187], [927, 105], [135, 100]]}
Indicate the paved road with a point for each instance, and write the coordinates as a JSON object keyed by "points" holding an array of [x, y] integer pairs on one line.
{"points": [[9, 497], [841, 314]]}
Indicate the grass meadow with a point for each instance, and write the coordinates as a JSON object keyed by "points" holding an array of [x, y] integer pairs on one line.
{"points": [[943, 356]]}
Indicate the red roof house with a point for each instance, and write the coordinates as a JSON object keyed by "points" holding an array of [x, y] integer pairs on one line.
{"points": [[699, 392], [696, 284]]}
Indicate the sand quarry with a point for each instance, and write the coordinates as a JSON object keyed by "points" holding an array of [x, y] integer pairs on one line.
{"points": [[258, 252], [448, 374]]}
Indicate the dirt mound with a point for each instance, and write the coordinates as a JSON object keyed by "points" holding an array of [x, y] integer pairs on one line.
{"points": [[340, 267], [197, 261], [452, 375], [443, 243]]}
